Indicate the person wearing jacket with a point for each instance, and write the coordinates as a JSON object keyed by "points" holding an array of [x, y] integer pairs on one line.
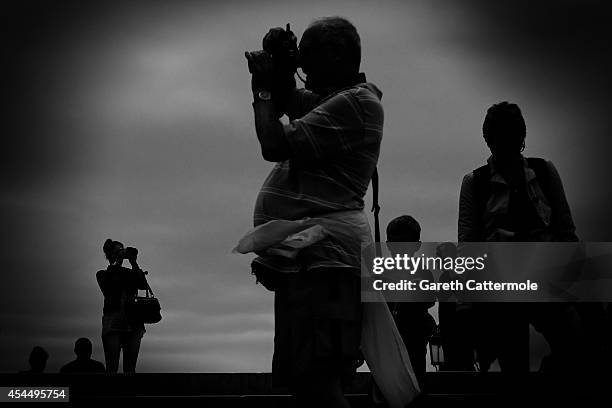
{"points": [[518, 199]]}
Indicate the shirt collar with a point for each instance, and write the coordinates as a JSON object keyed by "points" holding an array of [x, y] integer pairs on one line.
{"points": [[497, 177]]}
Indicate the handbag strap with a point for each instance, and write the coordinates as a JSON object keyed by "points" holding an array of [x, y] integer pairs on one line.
{"points": [[148, 290]]}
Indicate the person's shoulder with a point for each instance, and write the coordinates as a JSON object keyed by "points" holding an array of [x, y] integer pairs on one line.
{"points": [[537, 160], [468, 184], [542, 164], [549, 164], [468, 178], [67, 368], [365, 93], [366, 98], [98, 366], [368, 89], [95, 366], [358, 92]]}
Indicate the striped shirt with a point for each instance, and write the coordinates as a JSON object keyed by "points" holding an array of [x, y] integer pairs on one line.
{"points": [[334, 149]]}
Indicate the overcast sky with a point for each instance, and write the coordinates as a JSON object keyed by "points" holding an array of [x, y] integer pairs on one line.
{"points": [[135, 123]]}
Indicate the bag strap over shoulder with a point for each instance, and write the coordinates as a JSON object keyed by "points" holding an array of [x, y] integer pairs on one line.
{"points": [[376, 211], [148, 290]]}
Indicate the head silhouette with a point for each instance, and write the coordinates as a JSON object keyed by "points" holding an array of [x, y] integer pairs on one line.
{"points": [[504, 131], [83, 348], [330, 54], [112, 250], [407, 230], [38, 359]]}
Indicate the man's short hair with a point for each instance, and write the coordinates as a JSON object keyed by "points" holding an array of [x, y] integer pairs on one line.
{"points": [[83, 347], [504, 125], [338, 37], [403, 229]]}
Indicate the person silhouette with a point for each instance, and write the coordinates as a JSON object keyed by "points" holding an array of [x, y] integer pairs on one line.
{"points": [[37, 360], [456, 320], [120, 332], [324, 161], [412, 318], [83, 362], [517, 199]]}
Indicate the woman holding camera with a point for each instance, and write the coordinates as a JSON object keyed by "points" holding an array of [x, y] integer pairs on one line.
{"points": [[119, 286]]}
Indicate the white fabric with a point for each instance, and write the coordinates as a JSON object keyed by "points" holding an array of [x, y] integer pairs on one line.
{"points": [[381, 343], [387, 357]]}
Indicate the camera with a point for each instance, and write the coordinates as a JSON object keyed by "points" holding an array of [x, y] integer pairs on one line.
{"points": [[283, 48], [129, 253], [279, 57]]}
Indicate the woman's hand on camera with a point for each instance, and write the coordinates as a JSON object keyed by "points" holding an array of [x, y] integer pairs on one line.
{"points": [[131, 254]]}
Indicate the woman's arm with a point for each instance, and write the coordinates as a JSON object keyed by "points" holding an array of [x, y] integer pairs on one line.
{"points": [[139, 276], [102, 281]]}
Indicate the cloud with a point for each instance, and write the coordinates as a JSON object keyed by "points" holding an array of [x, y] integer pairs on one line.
{"points": [[134, 121]]}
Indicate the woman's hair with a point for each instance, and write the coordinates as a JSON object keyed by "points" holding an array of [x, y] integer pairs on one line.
{"points": [[108, 247], [504, 126]]}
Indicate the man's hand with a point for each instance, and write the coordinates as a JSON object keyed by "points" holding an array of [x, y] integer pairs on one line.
{"points": [[261, 68]]}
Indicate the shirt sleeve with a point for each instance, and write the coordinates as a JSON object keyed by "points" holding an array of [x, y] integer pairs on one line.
{"points": [[101, 278], [140, 281], [468, 218], [299, 103], [342, 124]]}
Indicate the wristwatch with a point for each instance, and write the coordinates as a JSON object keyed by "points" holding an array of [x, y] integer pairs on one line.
{"points": [[263, 96]]}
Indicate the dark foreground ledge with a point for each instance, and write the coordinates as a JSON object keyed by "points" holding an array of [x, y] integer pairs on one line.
{"points": [[442, 389]]}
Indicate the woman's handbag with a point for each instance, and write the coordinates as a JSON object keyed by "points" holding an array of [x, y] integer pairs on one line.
{"points": [[146, 308]]}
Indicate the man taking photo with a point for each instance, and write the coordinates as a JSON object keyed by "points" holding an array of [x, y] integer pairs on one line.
{"points": [[325, 158]]}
